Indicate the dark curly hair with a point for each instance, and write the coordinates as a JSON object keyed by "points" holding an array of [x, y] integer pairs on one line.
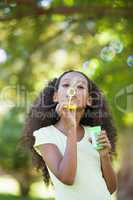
{"points": [[43, 113]]}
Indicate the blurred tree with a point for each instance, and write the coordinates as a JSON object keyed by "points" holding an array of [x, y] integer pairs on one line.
{"points": [[13, 160], [40, 39]]}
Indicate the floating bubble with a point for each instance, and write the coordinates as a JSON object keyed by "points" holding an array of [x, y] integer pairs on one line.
{"points": [[93, 63], [3, 55], [117, 45], [90, 66], [130, 61], [107, 53]]}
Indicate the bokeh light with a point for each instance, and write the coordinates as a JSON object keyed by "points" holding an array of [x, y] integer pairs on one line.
{"points": [[117, 45], [7, 10], [13, 4], [130, 61], [105, 37], [40, 190], [45, 3], [86, 64], [90, 25], [3, 55], [6, 181], [107, 53]]}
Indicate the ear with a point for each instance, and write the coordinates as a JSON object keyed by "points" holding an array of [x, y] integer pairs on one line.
{"points": [[55, 97], [89, 101]]}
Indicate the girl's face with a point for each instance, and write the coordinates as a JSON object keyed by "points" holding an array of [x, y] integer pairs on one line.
{"points": [[79, 83]]}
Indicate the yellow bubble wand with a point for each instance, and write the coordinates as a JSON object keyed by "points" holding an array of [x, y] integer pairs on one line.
{"points": [[71, 93]]}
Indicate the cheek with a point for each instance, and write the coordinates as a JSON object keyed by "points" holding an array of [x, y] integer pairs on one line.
{"points": [[61, 94], [83, 96]]}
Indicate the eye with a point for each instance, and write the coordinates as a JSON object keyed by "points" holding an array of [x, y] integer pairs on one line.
{"points": [[80, 87], [65, 85]]}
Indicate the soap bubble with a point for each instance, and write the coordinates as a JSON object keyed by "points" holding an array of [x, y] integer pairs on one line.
{"points": [[107, 53], [92, 64], [130, 61], [117, 45]]}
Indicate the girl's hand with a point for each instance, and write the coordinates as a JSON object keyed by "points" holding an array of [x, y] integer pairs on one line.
{"points": [[104, 141], [68, 115]]}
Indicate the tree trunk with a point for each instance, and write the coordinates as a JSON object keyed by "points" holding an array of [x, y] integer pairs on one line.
{"points": [[24, 179], [125, 174], [24, 189]]}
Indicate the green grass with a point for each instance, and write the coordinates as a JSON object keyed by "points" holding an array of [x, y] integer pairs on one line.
{"points": [[12, 197]]}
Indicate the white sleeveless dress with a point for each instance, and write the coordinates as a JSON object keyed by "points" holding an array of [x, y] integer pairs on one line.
{"points": [[89, 183]]}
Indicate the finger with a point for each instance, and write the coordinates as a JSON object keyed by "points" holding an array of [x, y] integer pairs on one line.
{"points": [[100, 137], [61, 105], [103, 132], [59, 108], [102, 140], [106, 145]]}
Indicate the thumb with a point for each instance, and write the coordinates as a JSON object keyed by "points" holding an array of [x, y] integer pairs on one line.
{"points": [[90, 140]]}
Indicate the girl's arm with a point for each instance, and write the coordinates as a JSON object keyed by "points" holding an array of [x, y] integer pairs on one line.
{"points": [[63, 167], [106, 164], [108, 173], [68, 164]]}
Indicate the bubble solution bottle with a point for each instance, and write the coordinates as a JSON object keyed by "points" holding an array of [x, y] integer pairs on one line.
{"points": [[94, 132]]}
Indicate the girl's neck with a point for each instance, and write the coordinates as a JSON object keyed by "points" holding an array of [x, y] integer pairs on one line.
{"points": [[61, 124]]}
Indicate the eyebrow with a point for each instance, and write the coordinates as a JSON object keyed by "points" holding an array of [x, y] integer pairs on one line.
{"points": [[66, 79]]}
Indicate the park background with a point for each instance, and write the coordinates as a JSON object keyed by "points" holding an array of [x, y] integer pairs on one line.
{"points": [[39, 39]]}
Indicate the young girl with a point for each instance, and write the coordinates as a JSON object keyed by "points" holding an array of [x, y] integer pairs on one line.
{"points": [[59, 138]]}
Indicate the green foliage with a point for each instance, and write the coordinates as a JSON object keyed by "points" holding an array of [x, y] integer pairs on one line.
{"points": [[11, 197], [11, 129]]}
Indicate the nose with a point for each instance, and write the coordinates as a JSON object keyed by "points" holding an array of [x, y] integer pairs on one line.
{"points": [[71, 92]]}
